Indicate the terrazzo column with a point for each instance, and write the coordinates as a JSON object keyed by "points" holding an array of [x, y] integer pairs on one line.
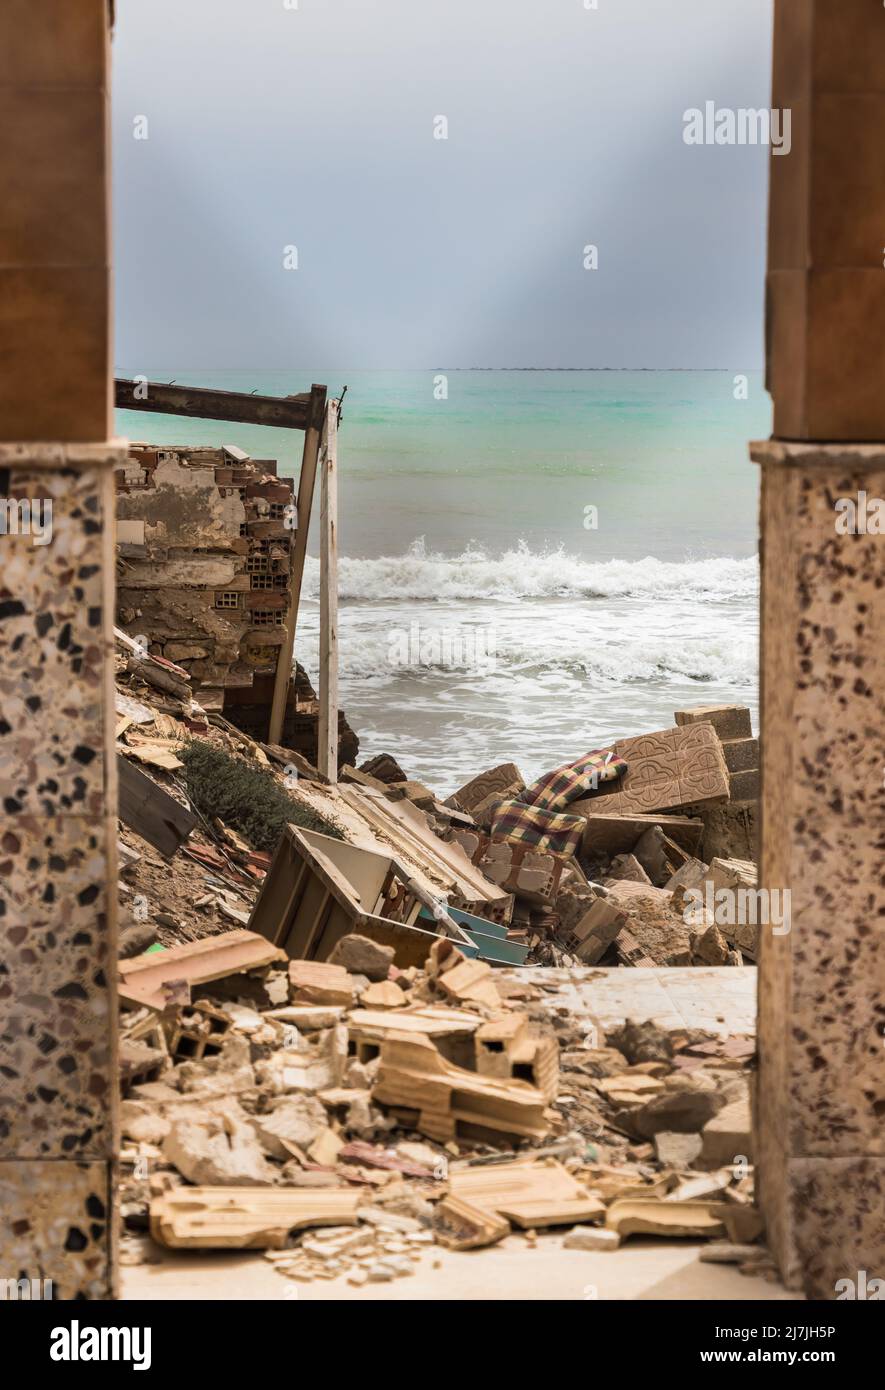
{"points": [[57, 774], [820, 1100]]}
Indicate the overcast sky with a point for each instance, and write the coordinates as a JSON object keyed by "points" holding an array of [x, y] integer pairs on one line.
{"points": [[313, 127]]}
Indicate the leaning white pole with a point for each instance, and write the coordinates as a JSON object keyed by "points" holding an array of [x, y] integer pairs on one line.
{"points": [[327, 754]]}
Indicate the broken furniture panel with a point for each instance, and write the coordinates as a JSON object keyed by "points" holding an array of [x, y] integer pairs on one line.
{"points": [[319, 890], [150, 811]]}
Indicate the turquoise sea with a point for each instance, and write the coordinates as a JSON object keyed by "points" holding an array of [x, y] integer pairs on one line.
{"points": [[533, 562]]}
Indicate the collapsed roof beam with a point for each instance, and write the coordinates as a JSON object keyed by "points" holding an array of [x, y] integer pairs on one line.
{"points": [[200, 402]]}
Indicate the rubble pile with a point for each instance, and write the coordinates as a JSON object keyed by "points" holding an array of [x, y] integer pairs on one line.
{"points": [[341, 1052], [348, 1116]]}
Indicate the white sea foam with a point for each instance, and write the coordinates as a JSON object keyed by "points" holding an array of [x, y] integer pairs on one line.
{"points": [[544, 651], [477, 573]]}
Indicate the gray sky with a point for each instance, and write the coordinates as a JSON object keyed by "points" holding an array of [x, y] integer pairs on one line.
{"points": [[271, 127]]}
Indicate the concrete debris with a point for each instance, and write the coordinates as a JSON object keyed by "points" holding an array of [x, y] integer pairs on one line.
{"points": [[362, 1078], [218, 1150], [648, 1216], [361, 956], [591, 1238]]}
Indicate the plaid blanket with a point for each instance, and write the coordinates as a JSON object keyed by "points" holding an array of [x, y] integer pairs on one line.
{"points": [[533, 825], [556, 790]]}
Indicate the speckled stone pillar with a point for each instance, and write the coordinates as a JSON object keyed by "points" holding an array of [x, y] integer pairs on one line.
{"points": [[820, 1104], [820, 1100], [57, 771], [58, 872]]}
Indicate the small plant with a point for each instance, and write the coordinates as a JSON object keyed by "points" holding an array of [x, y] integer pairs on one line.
{"points": [[248, 799]]}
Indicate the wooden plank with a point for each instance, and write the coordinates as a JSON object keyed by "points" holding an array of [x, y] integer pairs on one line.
{"points": [[150, 811], [200, 402], [303, 507], [327, 745]]}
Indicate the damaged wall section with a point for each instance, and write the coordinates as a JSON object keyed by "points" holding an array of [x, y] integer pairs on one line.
{"points": [[204, 540]]}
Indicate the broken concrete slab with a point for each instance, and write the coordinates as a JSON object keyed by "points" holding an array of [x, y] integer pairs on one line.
{"points": [[729, 721], [646, 1216], [359, 955], [658, 928], [219, 1218], [628, 868], [293, 1121], [727, 1136], [607, 834], [677, 1151], [504, 780], [147, 979], [218, 1150], [677, 1111], [591, 1238], [318, 982]]}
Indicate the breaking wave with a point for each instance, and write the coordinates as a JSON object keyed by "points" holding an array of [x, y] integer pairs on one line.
{"points": [[477, 573]]}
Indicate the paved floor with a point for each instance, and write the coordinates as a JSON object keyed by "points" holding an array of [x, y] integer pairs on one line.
{"points": [[642, 1269], [721, 999]]}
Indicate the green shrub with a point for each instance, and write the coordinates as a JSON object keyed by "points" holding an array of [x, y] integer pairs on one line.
{"points": [[248, 799]]}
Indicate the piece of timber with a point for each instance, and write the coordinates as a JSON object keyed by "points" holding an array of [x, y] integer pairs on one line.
{"points": [[150, 811], [243, 1218], [413, 1077], [327, 734], [143, 978], [316, 404], [200, 402]]}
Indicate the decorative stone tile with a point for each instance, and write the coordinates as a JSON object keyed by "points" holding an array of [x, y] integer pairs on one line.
{"points": [[55, 1223], [57, 987], [53, 645], [674, 767]]}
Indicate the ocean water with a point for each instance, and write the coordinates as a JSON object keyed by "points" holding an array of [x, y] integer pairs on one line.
{"points": [[531, 565]]}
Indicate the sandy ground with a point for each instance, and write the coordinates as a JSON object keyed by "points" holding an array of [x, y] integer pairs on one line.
{"points": [[640, 1270]]}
